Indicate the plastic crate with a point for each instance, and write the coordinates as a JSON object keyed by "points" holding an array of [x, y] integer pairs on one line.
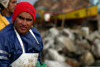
{"points": [[42, 64]]}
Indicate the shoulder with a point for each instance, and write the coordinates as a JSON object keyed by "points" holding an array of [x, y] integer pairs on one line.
{"points": [[35, 31], [7, 32], [7, 36]]}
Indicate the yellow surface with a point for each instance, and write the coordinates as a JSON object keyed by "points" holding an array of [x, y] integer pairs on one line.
{"points": [[92, 11], [3, 22], [80, 13], [74, 14]]}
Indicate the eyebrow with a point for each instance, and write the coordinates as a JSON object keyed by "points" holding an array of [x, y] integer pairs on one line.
{"points": [[24, 18]]}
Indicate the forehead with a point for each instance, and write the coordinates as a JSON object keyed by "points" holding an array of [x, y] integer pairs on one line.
{"points": [[26, 15]]}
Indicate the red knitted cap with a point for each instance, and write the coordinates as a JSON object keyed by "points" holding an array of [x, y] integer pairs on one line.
{"points": [[23, 7]]}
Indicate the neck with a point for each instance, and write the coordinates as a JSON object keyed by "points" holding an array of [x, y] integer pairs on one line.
{"points": [[6, 12]]}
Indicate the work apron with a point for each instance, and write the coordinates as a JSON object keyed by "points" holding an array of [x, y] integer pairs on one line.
{"points": [[26, 59]]}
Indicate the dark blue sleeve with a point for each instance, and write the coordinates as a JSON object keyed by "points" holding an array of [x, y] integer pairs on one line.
{"points": [[4, 65], [4, 53]]}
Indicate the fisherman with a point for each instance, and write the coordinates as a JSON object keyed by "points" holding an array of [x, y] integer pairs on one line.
{"points": [[20, 42]]}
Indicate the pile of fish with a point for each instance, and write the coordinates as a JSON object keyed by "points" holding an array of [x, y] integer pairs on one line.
{"points": [[74, 48]]}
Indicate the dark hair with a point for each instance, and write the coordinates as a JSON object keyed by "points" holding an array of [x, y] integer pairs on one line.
{"points": [[1, 7]]}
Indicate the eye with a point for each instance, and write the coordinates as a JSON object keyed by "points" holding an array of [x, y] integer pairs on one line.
{"points": [[29, 19], [20, 17], [14, 2]]}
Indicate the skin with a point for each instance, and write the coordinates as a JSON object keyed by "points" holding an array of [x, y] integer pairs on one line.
{"points": [[10, 9], [12, 5], [23, 23]]}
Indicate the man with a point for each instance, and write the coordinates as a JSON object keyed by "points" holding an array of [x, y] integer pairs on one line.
{"points": [[7, 11], [19, 40]]}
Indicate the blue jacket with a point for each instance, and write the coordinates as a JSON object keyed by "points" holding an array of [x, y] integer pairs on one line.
{"points": [[10, 48]]}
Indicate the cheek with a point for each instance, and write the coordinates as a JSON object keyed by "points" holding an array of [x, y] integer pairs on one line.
{"points": [[11, 7], [30, 24], [17, 22]]}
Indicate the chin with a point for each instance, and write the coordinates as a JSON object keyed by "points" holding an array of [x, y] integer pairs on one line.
{"points": [[23, 33]]}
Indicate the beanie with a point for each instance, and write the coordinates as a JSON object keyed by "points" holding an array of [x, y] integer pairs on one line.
{"points": [[23, 7]]}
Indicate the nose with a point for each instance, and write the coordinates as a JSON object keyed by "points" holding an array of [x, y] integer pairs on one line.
{"points": [[15, 4], [24, 22]]}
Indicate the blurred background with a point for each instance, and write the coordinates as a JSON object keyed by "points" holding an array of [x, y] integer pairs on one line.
{"points": [[70, 30]]}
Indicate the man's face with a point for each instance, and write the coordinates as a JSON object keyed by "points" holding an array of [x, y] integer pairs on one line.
{"points": [[23, 23], [12, 5]]}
